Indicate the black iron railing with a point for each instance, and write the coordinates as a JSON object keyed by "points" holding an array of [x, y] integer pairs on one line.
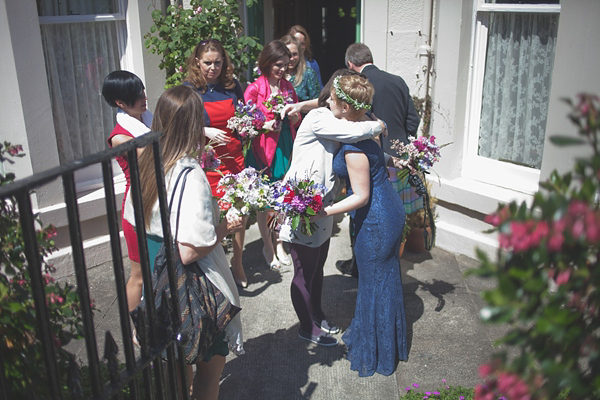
{"points": [[150, 365]]}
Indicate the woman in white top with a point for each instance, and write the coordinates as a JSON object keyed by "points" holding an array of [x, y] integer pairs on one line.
{"points": [[179, 115], [316, 142]]}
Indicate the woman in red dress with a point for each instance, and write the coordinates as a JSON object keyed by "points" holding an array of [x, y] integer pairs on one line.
{"points": [[210, 72], [125, 91]]}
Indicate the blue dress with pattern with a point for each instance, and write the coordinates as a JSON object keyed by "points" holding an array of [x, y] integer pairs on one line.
{"points": [[376, 337]]}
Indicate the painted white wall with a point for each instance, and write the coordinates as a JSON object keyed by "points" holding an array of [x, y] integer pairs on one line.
{"points": [[576, 67], [391, 30], [25, 108]]}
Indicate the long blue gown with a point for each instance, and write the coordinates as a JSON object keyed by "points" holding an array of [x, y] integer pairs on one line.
{"points": [[376, 338]]}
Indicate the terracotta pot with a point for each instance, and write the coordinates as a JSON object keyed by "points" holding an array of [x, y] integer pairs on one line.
{"points": [[415, 242], [401, 250]]}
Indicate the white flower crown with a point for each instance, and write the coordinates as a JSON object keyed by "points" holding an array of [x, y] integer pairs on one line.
{"points": [[344, 96]]}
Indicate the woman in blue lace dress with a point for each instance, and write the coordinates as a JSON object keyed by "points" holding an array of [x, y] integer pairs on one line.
{"points": [[376, 337]]}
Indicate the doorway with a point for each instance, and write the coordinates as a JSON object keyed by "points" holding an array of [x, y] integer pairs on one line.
{"points": [[332, 25]]}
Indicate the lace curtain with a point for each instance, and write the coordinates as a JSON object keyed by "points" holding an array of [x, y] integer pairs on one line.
{"points": [[516, 87], [78, 57]]}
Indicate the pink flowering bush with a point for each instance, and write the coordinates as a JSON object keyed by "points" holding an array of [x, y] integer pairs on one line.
{"points": [[21, 349], [548, 273]]}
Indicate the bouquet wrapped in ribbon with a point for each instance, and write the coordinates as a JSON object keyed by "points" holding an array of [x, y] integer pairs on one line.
{"points": [[296, 201], [244, 193], [248, 122]]}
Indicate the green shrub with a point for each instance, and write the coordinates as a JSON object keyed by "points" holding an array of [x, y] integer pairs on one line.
{"points": [[175, 34], [21, 349]]}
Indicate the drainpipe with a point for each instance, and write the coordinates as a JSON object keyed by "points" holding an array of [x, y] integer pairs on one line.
{"points": [[425, 50]]}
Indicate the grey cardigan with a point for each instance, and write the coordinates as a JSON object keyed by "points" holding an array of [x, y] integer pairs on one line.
{"points": [[316, 142]]}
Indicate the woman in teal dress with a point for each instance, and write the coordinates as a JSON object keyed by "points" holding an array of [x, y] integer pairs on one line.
{"points": [[299, 74], [271, 151], [376, 337]]}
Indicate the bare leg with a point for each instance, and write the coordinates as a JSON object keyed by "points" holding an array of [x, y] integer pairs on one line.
{"points": [[207, 378], [236, 261], [268, 249], [134, 286], [282, 255]]}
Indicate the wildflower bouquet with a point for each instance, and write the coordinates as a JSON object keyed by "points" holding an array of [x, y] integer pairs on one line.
{"points": [[244, 193], [208, 160], [418, 155], [248, 122], [296, 201], [277, 102]]}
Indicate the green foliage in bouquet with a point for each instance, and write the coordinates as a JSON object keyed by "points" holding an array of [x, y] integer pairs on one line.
{"points": [[175, 34], [548, 276], [21, 349]]}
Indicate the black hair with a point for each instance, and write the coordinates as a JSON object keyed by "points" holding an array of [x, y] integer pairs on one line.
{"points": [[124, 86]]}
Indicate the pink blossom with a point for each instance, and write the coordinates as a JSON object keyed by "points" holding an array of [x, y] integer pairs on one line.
{"points": [[555, 243], [563, 277], [485, 370]]}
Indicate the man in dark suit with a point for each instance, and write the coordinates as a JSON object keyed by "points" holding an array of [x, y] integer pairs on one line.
{"points": [[392, 101], [393, 104]]}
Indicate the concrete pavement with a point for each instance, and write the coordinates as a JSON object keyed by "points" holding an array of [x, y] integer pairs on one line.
{"points": [[446, 339]]}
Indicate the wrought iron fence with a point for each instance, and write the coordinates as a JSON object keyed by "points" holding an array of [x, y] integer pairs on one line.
{"points": [[159, 374]]}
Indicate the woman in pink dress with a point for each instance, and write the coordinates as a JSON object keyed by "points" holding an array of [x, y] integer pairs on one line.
{"points": [[271, 151]]}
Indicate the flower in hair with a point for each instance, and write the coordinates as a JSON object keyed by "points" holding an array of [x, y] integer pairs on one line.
{"points": [[346, 97]]}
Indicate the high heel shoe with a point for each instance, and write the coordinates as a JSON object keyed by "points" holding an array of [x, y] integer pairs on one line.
{"points": [[275, 265], [284, 259], [243, 283], [240, 283]]}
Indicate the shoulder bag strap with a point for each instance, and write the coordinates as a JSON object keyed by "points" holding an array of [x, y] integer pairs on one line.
{"points": [[185, 172]]}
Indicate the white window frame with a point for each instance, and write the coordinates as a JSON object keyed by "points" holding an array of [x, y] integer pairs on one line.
{"points": [[90, 178], [499, 173]]}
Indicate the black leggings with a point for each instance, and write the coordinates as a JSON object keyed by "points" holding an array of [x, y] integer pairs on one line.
{"points": [[307, 284]]}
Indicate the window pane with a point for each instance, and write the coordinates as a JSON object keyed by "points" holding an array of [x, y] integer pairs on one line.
{"points": [[78, 57], [516, 87], [50, 8], [523, 1]]}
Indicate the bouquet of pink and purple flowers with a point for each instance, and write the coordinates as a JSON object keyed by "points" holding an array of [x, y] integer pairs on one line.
{"points": [[208, 160], [418, 155], [296, 201], [277, 101], [248, 122], [244, 193]]}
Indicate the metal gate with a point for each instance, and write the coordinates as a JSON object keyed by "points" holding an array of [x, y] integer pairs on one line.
{"points": [[159, 375]]}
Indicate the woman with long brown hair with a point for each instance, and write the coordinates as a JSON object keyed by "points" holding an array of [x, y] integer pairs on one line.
{"points": [[210, 72], [179, 114]]}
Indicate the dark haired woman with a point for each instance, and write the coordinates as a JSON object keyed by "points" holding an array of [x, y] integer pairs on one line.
{"points": [[210, 72], [125, 91], [301, 34], [271, 151], [318, 138]]}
